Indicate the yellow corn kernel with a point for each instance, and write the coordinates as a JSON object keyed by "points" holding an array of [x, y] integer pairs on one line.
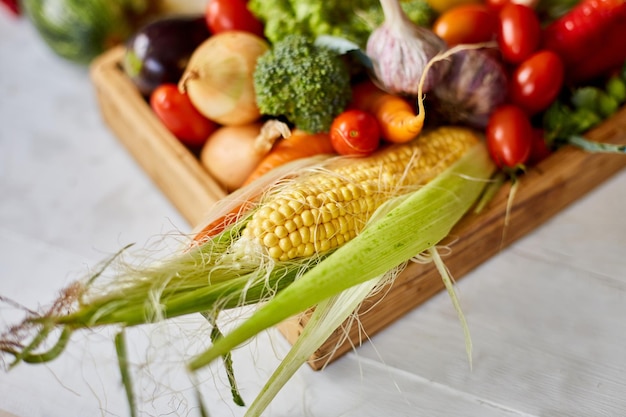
{"points": [[321, 211]]}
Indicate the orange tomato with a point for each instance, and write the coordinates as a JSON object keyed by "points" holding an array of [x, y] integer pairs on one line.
{"points": [[469, 23], [441, 6]]}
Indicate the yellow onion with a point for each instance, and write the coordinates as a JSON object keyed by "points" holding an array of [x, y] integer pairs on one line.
{"points": [[230, 154], [218, 77]]}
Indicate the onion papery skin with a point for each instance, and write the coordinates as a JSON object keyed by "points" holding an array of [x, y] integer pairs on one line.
{"points": [[219, 77], [399, 56]]}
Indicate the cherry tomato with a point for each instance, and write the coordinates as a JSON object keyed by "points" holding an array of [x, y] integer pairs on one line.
{"points": [[179, 116], [539, 150], [441, 6], [355, 132], [537, 81], [225, 15], [499, 4], [509, 136], [13, 6], [519, 32], [470, 23]]}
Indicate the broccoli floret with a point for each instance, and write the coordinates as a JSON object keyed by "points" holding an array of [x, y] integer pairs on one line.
{"points": [[308, 84]]}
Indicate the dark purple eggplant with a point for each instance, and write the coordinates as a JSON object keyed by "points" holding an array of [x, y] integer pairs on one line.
{"points": [[158, 52]]}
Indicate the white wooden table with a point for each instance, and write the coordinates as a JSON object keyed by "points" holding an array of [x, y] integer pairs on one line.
{"points": [[547, 315]]}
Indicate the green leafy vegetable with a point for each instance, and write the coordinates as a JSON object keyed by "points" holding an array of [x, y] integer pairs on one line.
{"points": [[616, 88], [550, 10], [582, 108], [353, 20], [596, 100], [561, 121]]}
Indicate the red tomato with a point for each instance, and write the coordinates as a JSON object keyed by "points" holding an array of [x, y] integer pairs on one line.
{"points": [[509, 136], [355, 132], [13, 6], [519, 32], [539, 149], [499, 4], [225, 15], [537, 81], [470, 23], [179, 116]]}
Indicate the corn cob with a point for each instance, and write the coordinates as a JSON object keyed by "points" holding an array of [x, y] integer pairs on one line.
{"points": [[331, 206]]}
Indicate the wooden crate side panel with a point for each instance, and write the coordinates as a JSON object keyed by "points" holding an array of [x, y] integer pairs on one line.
{"points": [[175, 170]]}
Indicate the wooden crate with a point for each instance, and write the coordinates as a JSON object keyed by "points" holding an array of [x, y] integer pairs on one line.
{"points": [[543, 191]]}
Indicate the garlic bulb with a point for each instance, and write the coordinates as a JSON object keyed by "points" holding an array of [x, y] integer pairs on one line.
{"points": [[400, 50], [474, 86]]}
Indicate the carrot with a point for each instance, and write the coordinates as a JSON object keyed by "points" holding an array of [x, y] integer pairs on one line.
{"points": [[398, 120], [298, 145], [218, 225], [396, 117]]}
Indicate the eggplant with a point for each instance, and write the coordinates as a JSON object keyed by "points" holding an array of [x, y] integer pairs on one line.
{"points": [[159, 51]]}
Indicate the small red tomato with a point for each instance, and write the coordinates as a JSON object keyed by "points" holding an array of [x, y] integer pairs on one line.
{"points": [[179, 116], [539, 149], [13, 6], [519, 32], [537, 81], [355, 132], [469, 23], [509, 136], [225, 15], [499, 4]]}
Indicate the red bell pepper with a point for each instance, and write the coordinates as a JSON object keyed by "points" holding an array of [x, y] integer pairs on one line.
{"points": [[590, 38]]}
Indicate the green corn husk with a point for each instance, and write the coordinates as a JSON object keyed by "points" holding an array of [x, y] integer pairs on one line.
{"points": [[417, 224], [206, 279]]}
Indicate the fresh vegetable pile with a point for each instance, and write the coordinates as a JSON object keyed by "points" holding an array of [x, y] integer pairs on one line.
{"points": [[351, 139], [330, 68]]}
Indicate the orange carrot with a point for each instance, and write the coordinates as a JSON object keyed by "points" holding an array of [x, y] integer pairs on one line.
{"points": [[220, 224], [298, 145], [398, 120], [396, 117]]}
